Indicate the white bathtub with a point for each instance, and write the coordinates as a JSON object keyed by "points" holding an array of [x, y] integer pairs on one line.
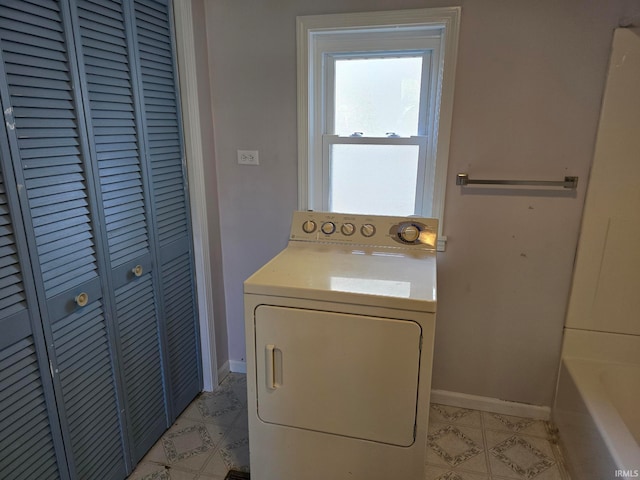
{"points": [[597, 406]]}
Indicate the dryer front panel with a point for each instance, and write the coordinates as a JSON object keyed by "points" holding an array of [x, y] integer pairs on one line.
{"points": [[338, 373]]}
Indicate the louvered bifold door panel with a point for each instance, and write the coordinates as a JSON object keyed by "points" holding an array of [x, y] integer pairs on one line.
{"points": [[114, 125], [83, 356], [49, 152], [28, 421], [169, 194], [141, 360], [25, 432]]}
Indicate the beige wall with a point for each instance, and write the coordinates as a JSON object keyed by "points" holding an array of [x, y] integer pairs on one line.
{"points": [[527, 99]]}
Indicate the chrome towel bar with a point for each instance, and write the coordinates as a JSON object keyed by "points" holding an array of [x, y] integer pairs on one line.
{"points": [[568, 182]]}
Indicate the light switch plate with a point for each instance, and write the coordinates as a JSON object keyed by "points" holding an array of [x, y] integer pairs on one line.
{"points": [[248, 157]]}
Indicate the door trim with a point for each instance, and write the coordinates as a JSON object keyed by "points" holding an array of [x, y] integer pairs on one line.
{"points": [[193, 135]]}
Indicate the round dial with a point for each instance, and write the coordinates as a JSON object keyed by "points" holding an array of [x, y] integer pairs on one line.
{"points": [[409, 233], [328, 228], [309, 226], [368, 230], [348, 229]]}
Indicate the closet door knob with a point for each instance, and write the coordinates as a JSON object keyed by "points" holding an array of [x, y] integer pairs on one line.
{"points": [[82, 299], [137, 270]]}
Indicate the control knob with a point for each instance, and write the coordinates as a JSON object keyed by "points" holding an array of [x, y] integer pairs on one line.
{"points": [[348, 229], [309, 226], [328, 228], [368, 230], [409, 233]]}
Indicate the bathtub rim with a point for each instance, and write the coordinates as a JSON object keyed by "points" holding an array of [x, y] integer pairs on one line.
{"points": [[586, 374]]}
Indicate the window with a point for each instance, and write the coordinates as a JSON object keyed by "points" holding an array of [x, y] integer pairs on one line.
{"points": [[374, 98]]}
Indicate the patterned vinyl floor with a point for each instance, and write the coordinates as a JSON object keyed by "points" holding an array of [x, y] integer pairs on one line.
{"points": [[211, 437]]}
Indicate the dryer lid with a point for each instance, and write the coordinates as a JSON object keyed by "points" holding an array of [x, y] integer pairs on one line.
{"points": [[385, 277]]}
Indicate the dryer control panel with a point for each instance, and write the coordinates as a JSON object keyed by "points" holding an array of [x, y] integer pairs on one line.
{"points": [[369, 230]]}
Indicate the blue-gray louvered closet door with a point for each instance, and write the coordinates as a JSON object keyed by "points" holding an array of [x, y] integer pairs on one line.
{"points": [[93, 138], [48, 145], [163, 139], [116, 133]]}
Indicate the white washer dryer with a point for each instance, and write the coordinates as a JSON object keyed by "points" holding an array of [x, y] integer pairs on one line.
{"points": [[339, 330]]}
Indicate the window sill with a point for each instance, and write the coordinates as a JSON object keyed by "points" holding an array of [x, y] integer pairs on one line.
{"points": [[442, 244]]}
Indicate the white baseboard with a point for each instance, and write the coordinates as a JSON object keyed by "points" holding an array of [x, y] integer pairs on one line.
{"points": [[228, 367], [237, 366], [223, 371], [489, 404], [455, 399]]}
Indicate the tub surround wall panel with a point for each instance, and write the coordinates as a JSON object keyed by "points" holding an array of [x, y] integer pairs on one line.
{"points": [[601, 346], [604, 295], [596, 402], [528, 91]]}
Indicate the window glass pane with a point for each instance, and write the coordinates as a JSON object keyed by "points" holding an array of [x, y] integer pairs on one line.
{"points": [[374, 179], [377, 95]]}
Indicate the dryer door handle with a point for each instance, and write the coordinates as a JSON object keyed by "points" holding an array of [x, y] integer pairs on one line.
{"points": [[270, 366]]}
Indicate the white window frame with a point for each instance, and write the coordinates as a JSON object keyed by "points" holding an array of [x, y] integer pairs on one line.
{"points": [[359, 32], [384, 44]]}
